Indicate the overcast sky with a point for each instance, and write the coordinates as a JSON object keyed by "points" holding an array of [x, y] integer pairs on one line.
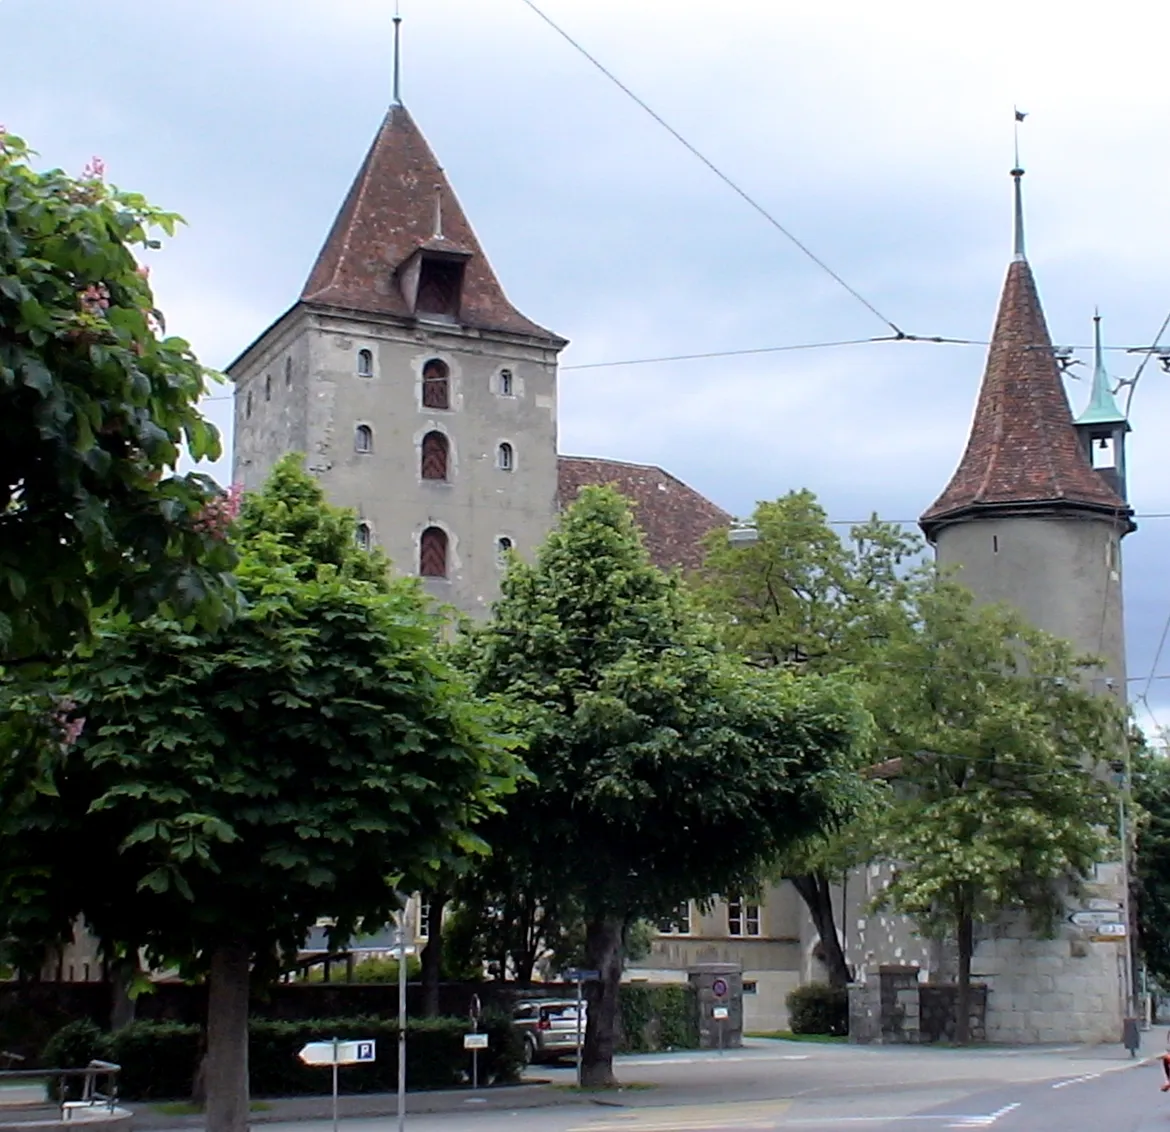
{"points": [[880, 134]]}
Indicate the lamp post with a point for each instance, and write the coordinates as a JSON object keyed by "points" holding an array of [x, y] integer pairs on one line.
{"points": [[1129, 1021], [403, 951]]}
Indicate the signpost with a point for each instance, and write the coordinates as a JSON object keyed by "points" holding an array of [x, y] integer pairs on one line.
{"points": [[580, 977], [1094, 918], [475, 1041], [719, 1011], [337, 1053]]}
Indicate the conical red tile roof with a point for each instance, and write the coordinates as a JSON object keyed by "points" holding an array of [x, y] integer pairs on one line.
{"points": [[1023, 451], [387, 216]]}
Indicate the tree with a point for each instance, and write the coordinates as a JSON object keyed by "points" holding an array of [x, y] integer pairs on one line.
{"points": [[665, 769], [1151, 874], [1000, 736], [235, 786], [95, 407], [800, 597]]}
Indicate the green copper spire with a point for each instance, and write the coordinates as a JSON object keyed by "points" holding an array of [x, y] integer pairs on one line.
{"points": [[1102, 407]]}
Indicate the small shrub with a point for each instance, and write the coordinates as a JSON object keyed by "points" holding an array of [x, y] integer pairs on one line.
{"points": [[818, 1008], [658, 1017]]}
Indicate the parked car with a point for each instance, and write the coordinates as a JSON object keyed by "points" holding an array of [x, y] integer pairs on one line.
{"points": [[549, 1027]]}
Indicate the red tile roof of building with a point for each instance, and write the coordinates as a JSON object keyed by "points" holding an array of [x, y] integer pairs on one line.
{"points": [[388, 215], [674, 517], [1023, 452]]}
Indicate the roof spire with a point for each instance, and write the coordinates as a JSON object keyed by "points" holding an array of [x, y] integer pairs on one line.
{"points": [[439, 213], [1102, 407], [397, 101], [1017, 176]]}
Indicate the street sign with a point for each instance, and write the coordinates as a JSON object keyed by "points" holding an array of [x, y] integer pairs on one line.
{"points": [[577, 975], [1098, 905], [338, 1053], [475, 1041], [1109, 932], [1086, 918], [719, 1012], [719, 988]]}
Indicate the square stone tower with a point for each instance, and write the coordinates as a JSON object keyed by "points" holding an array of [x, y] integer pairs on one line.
{"points": [[419, 396]]}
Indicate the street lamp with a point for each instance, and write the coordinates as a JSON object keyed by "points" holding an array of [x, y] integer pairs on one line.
{"points": [[1129, 1008]]}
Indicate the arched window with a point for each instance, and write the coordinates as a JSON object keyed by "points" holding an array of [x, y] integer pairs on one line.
{"points": [[432, 553], [365, 363], [268, 387], [287, 372], [363, 438], [248, 405], [364, 537], [505, 383], [435, 449], [504, 546], [436, 392], [505, 458]]}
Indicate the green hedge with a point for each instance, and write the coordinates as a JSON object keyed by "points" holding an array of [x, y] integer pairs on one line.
{"points": [[159, 1059], [658, 1017], [817, 1008]]}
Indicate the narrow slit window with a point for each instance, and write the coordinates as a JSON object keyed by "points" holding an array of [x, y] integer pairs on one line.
{"points": [[432, 553], [365, 363], [506, 383], [248, 406], [995, 544], [363, 438], [435, 454], [436, 393], [268, 387], [287, 372], [505, 458]]}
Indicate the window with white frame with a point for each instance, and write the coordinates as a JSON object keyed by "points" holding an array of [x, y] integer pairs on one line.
{"points": [[678, 922], [743, 917], [424, 919]]}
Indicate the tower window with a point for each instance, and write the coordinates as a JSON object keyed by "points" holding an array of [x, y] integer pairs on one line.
{"points": [[363, 536], [287, 372], [435, 451], [365, 363], [432, 553], [505, 458], [504, 547], [995, 544], [268, 387], [439, 284], [1103, 454], [248, 406], [506, 383], [436, 392], [363, 438]]}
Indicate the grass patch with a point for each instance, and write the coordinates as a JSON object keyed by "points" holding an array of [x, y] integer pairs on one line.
{"points": [[186, 1108], [789, 1036]]}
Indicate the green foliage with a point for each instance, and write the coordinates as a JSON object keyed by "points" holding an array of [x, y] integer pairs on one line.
{"points": [[95, 408], [380, 970], [817, 1008], [159, 1059], [658, 1017], [998, 730], [665, 768], [251, 780], [1151, 791]]}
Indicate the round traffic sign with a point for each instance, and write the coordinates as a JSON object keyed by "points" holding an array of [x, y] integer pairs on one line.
{"points": [[719, 988]]}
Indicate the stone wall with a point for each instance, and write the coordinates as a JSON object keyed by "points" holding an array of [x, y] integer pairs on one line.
{"points": [[895, 1008]]}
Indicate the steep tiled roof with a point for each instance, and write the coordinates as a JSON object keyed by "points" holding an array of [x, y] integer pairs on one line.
{"points": [[388, 215], [1023, 451], [673, 517]]}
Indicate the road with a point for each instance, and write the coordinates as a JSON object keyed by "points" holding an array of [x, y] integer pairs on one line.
{"points": [[786, 1087]]}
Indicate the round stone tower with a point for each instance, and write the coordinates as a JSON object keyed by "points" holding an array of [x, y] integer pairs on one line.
{"points": [[1034, 517]]}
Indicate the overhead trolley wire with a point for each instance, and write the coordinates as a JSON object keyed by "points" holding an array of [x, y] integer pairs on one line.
{"points": [[692, 149]]}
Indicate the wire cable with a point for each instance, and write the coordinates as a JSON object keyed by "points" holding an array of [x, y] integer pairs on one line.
{"points": [[743, 194], [1149, 351]]}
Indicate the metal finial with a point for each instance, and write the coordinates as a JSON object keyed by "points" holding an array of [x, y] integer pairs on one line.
{"points": [[397, 56], [439, 212], [1017, 175]]}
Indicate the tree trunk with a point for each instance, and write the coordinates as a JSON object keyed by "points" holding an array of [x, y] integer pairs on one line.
{"points": [[122, 1006], [431, 960], [603, 953], [963, 997], [815, 891], [227, 1039]]}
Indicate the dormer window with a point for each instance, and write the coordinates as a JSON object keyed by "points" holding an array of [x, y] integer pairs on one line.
{"points": [[365, 363], [431, 280], [436, 384]]}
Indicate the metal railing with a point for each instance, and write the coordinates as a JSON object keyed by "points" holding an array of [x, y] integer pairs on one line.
{"points": [[99, 1087]]}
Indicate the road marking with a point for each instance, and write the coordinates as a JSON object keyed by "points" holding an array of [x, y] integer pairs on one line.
{"points": [[745, 1115], [985, 1121], [1076, 1080], [952, 1120], [716, 1059]]}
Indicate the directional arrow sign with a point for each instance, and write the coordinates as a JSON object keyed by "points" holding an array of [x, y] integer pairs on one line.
{"points": [[338, 1053], [1093, 919]]}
